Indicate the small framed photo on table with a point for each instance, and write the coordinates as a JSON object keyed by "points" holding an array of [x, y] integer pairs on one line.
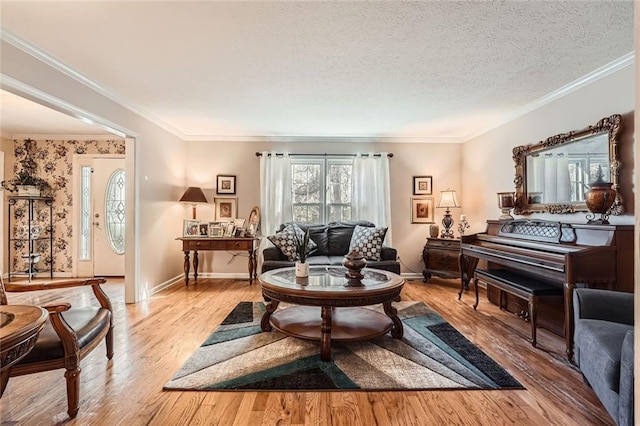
{"points": [[225, 184], [190, 228], [422, 210], [229, 230], [422, 185], [226, 208], [252, 229], [216, 230]]}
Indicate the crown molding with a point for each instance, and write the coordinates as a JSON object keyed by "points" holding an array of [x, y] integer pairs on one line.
{"points": [[55, 63], [15, 86], [57, 137], [605, 70], [322, 139]]}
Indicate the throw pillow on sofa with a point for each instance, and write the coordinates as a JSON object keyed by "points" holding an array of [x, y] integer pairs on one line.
{"points": [[367, 241], [285, 240]]}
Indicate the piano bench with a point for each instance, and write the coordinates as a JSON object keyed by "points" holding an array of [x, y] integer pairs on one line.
{"points": [[523, 286]]}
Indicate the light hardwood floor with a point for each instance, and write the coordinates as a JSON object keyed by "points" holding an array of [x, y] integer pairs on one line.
{"points": [[154, 338]]}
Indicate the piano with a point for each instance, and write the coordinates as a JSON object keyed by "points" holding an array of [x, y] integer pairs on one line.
{"points": [[570, 255]]}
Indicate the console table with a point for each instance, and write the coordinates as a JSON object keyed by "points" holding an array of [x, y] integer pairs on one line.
{"points": [[197, 244]]}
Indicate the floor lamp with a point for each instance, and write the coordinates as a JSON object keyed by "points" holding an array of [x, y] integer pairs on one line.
{"points": [[193, 195]]}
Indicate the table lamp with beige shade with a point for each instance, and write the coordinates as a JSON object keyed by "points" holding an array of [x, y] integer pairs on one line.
{"points": [[447, 201]]}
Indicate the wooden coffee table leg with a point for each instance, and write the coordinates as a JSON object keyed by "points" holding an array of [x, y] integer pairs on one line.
{"points": [[265, 324], [325, 334], [397, 330]]}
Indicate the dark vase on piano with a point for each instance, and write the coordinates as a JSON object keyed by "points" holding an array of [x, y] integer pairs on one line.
{"points": [[599, 199]]}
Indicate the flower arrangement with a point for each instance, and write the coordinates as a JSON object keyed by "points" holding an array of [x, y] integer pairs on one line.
{"points": [[27, 174]]}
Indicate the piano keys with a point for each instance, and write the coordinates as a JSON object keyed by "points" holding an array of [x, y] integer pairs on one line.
{"points": [[570, 255]]}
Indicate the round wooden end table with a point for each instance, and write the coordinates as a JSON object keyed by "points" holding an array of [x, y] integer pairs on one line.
{"points": [[328, 308], [19, 329]]}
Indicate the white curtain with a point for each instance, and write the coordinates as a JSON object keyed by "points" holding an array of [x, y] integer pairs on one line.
{"points": [[275, 195], [370, 190], [550, 180], [563, 184]]}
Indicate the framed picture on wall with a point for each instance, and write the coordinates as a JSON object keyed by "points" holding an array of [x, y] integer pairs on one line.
{"points": [[190, 228], [225, 184], [226, 208], [422, 210], [422, 185]]}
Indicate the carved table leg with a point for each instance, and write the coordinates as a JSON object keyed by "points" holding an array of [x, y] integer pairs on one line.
{"points": [[397, 330], [568, 319], [533, 318], [325, 334], [186, 267], [475, 285], [467, 266], [265, 324], [252, 266], [426, 275], [195, 265]]}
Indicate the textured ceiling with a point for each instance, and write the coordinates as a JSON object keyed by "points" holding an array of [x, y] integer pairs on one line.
{"points": [[434, 70]]}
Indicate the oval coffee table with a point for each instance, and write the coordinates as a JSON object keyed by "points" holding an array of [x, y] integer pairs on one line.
{"points": [[327, 308]]}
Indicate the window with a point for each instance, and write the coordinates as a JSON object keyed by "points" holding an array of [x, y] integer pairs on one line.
{"points": [[115, 211], [321, 189], [85, 213]]}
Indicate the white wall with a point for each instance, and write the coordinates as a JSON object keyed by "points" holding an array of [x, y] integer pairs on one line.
{"points": [[160, 166], [442, 161], [488, 167], [636, 345]]}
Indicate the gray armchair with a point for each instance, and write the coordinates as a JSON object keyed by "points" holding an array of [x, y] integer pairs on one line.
{"points": [[603, 345]]}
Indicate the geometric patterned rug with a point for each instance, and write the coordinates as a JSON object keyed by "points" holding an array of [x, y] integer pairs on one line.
{"points": [[430, 355]]}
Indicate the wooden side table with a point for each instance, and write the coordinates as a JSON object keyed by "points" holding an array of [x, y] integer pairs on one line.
{"points": [[197, 244], [441, 258]]}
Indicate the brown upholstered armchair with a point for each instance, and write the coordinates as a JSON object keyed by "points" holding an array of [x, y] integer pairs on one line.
{"points": [[68, 336]]}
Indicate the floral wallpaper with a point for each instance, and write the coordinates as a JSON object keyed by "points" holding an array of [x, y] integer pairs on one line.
{"points": [[55, 164]]}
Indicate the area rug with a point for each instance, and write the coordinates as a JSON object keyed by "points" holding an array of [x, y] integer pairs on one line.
{"points": [[431, 355]]}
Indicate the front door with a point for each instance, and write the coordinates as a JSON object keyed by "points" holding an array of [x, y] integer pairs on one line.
{"points": [[108, 216]]}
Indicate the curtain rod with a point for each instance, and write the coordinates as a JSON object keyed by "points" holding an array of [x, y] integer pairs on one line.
{"points": [[259, 154]]}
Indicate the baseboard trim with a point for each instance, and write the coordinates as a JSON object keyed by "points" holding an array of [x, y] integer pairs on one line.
{"points": [[411, 275], [179, 279], [227, 275], [163, 286]]}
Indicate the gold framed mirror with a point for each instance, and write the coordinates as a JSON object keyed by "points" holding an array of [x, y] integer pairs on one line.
{"points": [[553, 175]]}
